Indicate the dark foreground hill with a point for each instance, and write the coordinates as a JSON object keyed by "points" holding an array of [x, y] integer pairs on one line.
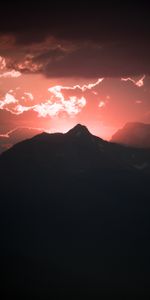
{"points": [[74, 216]]}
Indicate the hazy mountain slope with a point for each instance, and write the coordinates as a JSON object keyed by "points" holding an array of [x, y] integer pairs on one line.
{"points": [[17, 135], [133, 134]]}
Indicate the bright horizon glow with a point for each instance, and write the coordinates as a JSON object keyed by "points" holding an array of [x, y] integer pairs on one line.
{"points": [[103, 105]]}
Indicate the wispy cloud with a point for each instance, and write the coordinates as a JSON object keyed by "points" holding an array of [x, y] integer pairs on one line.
{"points": [[101, 104], [2, 63], [138, 102], [72, 106], [10, 74], [29, 95], [6, 72], [138, 83], [57, 102], [8, 99], [56, 90]]}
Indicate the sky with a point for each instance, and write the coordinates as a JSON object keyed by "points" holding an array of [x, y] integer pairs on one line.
{"points": [[63, 64]]}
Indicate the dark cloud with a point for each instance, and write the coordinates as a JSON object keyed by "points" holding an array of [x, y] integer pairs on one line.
{"points": [[114, 59], [110, 60], [109, 39], [49, 55]]}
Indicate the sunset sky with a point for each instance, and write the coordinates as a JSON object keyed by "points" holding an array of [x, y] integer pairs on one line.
{"points": [[62, 65]]}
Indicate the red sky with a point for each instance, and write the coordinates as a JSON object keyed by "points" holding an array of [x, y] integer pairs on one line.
{"points": [[74, 64], [102, 104]]}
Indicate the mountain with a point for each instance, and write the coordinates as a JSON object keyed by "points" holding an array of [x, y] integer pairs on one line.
{"points": [[15, 136], [133, 134], [74, 218], [74, 152]]}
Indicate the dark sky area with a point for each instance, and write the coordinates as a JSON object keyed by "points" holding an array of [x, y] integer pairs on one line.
{"points": [[111, 33]]}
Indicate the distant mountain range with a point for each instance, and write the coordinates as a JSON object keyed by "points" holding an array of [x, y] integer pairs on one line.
{"points": [[15, 136], [74, 218], [133, 134]]}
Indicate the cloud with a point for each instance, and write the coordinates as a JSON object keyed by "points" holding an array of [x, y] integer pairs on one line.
{"points": [[33, 58], [84, 87], [57, 58], [2, 63], [28, 67], [138, 102], [72, 106], [8, 99], [101, 104], [11, 104], [139, 82], [19, 109], [56, 103], [7, 134], [5, 72], [56, 90], [112, 41], [29, 95], [94, 93], [97, 60], [54, 52], [48, 109], [19, 130], [10, 74]]}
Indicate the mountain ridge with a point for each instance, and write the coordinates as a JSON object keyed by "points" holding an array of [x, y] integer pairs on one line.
{"points": [[134, 134], [76, 150]]}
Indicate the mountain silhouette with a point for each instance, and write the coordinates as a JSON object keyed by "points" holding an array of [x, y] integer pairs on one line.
{"points": [[74, 215], [133, 134], [76, 151]]}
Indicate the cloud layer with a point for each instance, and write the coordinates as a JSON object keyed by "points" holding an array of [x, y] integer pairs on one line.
{"points": [[54, 105], [59, 58], [77, 40]]}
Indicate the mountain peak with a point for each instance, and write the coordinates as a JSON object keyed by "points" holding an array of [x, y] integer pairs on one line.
{"points": [[79, 130]]}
